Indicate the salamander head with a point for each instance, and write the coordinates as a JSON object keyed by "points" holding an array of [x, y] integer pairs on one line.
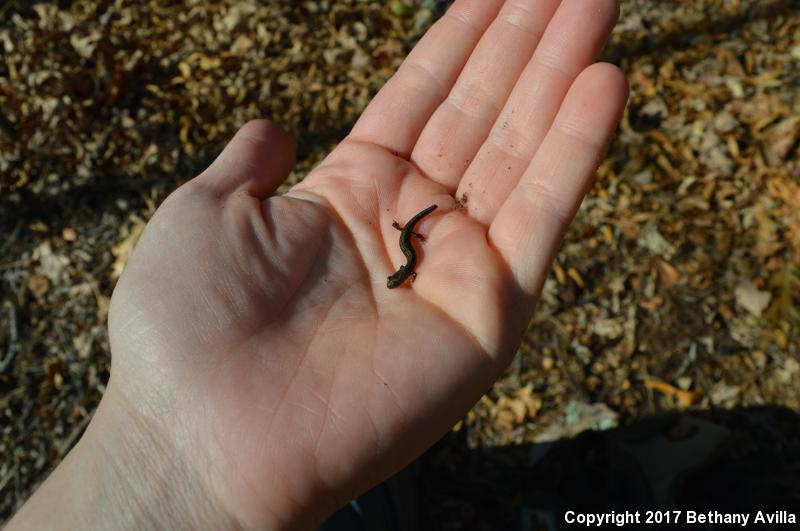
{"points": [[394, 280]]}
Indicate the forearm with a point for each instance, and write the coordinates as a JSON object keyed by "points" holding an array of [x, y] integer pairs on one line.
{"points": [[120, 476]]}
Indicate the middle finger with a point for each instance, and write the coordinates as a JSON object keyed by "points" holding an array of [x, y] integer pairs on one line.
{"points": [[457, 128], [573, 39]]}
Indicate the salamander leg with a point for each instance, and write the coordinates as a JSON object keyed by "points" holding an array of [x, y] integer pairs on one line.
{"points": [[400, 228]]}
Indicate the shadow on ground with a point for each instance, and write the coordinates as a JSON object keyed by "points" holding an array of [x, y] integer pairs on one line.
{"points": [[740, 461], [743, 461]]}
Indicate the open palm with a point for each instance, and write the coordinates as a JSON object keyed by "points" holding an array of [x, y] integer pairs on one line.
{"points": [[256, 334]]}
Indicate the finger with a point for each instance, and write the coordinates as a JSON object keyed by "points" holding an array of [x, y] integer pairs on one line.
{"points": [[531, 223], [397, 114], [258, 159], [460, 124], [572, 41]]}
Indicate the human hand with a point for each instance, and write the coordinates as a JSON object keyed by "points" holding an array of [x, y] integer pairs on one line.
{"points": [[253, 337]]}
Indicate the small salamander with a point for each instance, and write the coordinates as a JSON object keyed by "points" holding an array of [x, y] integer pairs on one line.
{"points": [[407, 270]]}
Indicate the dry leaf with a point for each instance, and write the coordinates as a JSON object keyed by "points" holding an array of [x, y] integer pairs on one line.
{"points": [[685, 398], [122, 251], [749, 297], [69, 234], [84, 45], [39, 285], [667, 274], [779, 139]]}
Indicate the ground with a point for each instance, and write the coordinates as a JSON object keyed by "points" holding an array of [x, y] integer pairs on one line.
{"points": [[677, 287]]}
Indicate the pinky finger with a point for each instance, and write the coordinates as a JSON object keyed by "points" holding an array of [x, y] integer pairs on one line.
{"points": [[529, 226]]}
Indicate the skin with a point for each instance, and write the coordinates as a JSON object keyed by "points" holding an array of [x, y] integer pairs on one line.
{"points": [[262, 374]]}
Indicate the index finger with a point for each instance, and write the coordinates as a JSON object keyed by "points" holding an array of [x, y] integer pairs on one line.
{"points": [[398, 113]]}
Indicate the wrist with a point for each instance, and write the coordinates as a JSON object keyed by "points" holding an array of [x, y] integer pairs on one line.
{"points": [[123, 474], [158, 484]]}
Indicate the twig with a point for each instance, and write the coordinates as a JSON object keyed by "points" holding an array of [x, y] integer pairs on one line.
{"points": [[4, 479], [690, 358], [10, 265], [11, 350], [77, 431], [11, 239], [7, 127]]}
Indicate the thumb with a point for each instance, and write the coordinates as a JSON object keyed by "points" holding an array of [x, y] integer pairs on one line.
{"points": [[258, 159]]}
